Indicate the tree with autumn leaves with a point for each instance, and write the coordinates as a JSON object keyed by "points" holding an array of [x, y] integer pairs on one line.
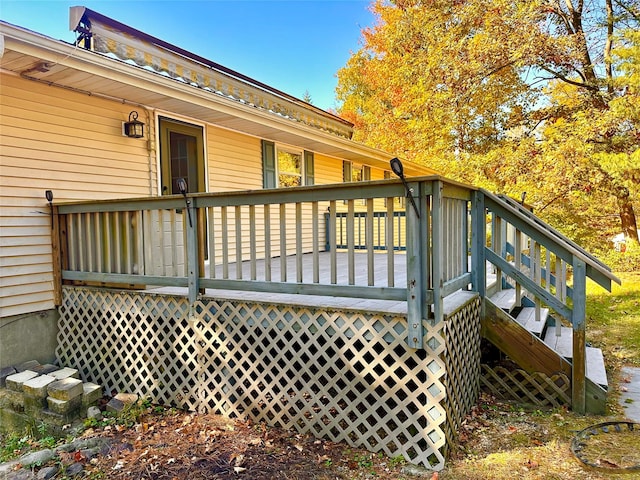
{"points": [[536, 96]]}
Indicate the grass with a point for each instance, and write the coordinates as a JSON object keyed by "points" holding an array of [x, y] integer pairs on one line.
{"points": [[613, 320]]}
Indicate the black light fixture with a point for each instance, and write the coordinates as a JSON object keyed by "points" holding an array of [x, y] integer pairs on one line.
{"points": [[134, 128], [49, 196], [398, 169], [181, 183]]}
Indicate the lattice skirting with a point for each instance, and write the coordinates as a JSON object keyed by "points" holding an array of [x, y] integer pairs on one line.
{"points": [[534, 388], [462, 363], [343, 375]]}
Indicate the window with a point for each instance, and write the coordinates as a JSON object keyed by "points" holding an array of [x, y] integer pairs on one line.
{"points": [[352, 172], [289, 168], [286, 167]]}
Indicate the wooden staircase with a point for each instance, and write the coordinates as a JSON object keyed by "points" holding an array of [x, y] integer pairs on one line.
{"points": [[535, 299], [536, 347]]}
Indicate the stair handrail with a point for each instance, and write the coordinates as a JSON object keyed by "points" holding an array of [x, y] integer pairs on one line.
{"points": [[514, 203], [596, 270]]}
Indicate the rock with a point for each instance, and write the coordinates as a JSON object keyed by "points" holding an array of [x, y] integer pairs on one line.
{"points": [[45, 473], [21, 474], [44, 369], [27, 365], [417, 471], [94, 413], [83, 444], [127, 398], [74, 469], [4, 373], [39, 457]]}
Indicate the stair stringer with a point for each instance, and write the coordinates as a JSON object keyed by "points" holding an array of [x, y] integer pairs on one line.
{"points": [[531, 353]]}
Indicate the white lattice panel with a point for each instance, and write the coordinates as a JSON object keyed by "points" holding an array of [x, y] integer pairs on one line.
{"points": [[462, 363], [346, 376]]}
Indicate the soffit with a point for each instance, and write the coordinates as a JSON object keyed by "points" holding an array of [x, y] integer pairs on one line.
{"points": [[96, 74]]}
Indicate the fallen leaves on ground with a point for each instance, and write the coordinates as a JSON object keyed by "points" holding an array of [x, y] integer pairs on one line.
{"points": [[206, 446]]}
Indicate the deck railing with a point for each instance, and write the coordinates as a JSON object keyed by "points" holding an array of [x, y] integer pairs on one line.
{"points": [[273, 240]]}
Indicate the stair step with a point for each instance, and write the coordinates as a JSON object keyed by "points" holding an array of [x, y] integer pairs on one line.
{"points": [[527, 318], [563, 345], [504, 299]]}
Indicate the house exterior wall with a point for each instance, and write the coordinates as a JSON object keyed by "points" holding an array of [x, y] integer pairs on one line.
{"points": [[54, 139], [72, 143]]}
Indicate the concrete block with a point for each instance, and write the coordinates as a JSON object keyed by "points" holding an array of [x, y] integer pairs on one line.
{"points": [[35, 392], [66, 389], [37, 386], [27, 365], [16, 381], [4, 373], [65, 372], [91, 394], [44, 369], [65, 407]]}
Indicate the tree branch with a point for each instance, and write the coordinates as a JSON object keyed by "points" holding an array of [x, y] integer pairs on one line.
{"points": [[559, 76]]}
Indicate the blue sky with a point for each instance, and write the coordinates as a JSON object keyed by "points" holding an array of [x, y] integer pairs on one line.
{"points": [[292, 45]]}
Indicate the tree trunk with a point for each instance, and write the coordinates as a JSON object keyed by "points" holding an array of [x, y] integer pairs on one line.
{"points": [[627, 215]]}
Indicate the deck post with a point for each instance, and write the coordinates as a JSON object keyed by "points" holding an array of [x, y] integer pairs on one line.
{"points": [[438, 250], [578, 316], [56, 253], [478, 242], [415, 256], [192, 254]]}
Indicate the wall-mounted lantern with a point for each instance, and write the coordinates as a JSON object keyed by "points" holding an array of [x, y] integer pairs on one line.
{"points": [[134, 128]]}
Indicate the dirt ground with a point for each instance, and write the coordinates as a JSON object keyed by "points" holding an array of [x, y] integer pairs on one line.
{"points": [[498, 440]]}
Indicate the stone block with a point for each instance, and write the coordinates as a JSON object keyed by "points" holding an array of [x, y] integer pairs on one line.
{"points": [[10, 399], [16, 381], [37, 386], [4, 373], [118, 403], [65, 407], [58, 419], [66, 372], [44, 369], [91, 394], [27, 365], [66, 389]]}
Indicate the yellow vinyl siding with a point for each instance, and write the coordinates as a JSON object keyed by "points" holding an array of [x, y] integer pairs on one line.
{"points": [[72, 144], [234, 161]]}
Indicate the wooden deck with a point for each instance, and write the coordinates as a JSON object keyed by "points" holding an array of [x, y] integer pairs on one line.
{"points": [[361, 278]]}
